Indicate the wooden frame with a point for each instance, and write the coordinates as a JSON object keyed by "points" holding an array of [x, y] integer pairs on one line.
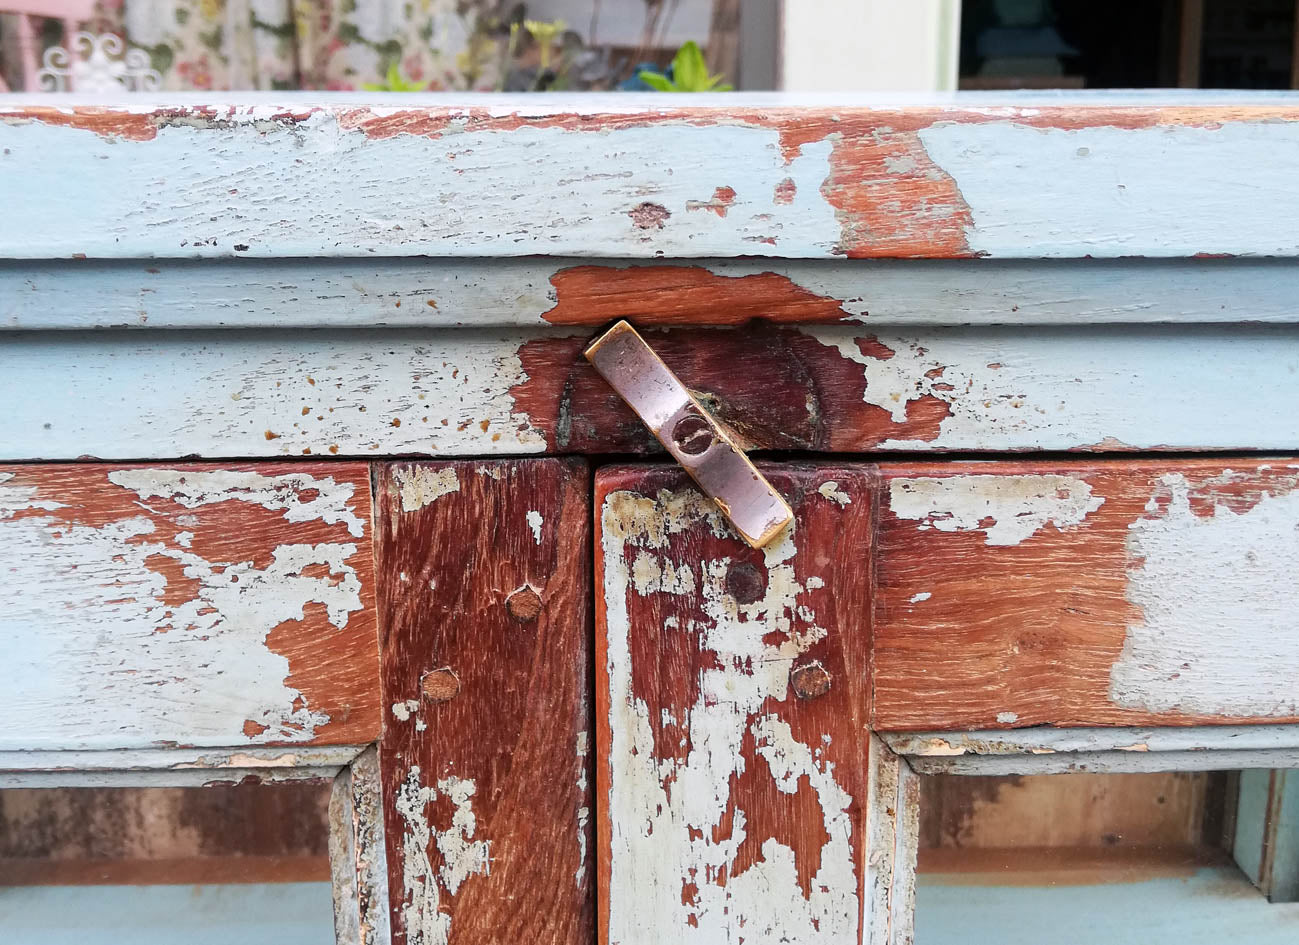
{"points": [[912, 296]]}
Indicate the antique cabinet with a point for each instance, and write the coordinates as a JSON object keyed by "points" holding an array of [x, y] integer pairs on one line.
{"points": [[305, 477]]}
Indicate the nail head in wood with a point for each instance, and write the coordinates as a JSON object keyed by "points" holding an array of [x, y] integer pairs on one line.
{"points": [[524, 604], [440, 685], [809, 680]]}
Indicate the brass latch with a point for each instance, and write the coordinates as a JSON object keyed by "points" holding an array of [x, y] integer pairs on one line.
{"points": [[690, 434]]}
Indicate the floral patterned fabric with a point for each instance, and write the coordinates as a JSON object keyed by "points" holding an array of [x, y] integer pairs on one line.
{"points": [[301, 44]]}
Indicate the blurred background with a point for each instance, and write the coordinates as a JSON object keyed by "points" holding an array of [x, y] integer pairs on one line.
{"points": [[590, 45]]}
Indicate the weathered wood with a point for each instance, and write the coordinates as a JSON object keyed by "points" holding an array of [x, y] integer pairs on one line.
{"points": [[1049, 741], [538, 292], [823, 388], [358, 855], [1094, 176], [732, 706], [485, 594], [985, 820], [1266, 843], [190, 605], [893, 823], [1122, 593], [173, 767]]}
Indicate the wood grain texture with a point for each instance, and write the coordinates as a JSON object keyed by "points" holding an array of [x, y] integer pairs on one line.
{"points": [[498, 391], [732, 712], [485, 594], [190, 605], [541, 291], [1104, 177], [1121, 593]]}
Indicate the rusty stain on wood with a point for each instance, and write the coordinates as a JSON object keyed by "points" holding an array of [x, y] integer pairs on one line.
{"points": [[721, 793], [486, 799]]}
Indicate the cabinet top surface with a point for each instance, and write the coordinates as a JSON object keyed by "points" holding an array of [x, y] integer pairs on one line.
{"points": [[1012, 176]]}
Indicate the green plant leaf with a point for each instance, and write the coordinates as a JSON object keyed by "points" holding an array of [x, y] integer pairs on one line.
{"points": [[689, 71], [657, 81]]}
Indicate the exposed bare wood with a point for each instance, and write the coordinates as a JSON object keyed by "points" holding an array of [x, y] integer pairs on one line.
{"points": [[484, 588], [1141, 593]]}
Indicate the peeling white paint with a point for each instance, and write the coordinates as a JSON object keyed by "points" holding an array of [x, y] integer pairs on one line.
{"points": [[1007, 389], [402, 194], [365, 393], [583, 811], [1217, 634], [403, 711], [114, 664], [191, 488], [534, 523], [663, 811], [830, 489], [422, 485], [1110, 191], [460, 854], [1007, 509], [1007, 718], [918, 598]]}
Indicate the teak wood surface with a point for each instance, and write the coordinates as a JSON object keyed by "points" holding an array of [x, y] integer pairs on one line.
{"points": [[732, 711], [487, 788]]}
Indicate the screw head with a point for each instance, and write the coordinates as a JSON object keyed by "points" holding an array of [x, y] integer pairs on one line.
{"points": [[692, 435]]}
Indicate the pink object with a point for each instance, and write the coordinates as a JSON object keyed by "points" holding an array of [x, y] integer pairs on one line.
{"points": [[69, 11]]}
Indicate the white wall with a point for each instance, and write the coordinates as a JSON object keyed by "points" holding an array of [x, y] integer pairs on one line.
{"points": [[863, 45]]}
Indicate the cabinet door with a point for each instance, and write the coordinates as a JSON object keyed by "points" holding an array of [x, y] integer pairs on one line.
{"points": [[736, 775], [484, 597]]}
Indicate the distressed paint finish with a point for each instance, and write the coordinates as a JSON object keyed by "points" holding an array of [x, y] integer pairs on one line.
{"points": [[1122, 593], [173, 767], [893, 819], [485, 391], [731, 712], [486, 661], [358, 854], [192, 605], [1099, 177], [1108, 750], [535, 292]]}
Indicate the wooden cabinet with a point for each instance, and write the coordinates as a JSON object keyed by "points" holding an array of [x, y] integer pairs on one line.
{"points": [[305, 477]]}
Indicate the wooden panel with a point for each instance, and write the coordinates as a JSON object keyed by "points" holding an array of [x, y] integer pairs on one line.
{"points": [[1165, 811], [233, 833], [732, 707], [485, 571], [155, 606], [1121, 593], [1094, 176], [541, 292], [825, 388]]}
